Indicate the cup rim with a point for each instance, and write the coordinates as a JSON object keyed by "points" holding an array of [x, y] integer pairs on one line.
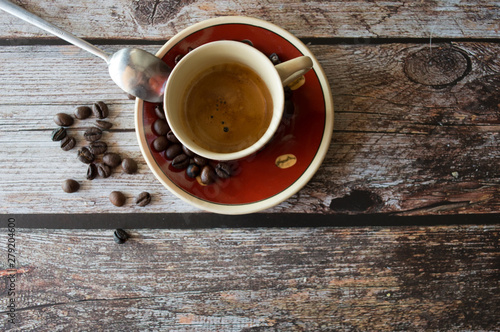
{"points": [[278, 104]]}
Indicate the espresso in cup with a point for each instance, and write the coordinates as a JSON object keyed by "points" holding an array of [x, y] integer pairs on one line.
{"points": [[227, 108]]}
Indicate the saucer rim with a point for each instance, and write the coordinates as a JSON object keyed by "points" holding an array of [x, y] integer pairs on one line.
{"points": [[300, 182]]}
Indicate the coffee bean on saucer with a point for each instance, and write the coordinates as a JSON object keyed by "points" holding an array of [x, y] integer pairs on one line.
{"points": [[120, 236], [193, 171], [207, 175], [173, 151], [171, 137], [200, 160], [112, 159], [188, 152], [82, 112], [160, 143], [143, 199], [181, 161], [129, 165], [91, 172], [159, 111], [63, 119], [223, 170], [100, 110], [275, 59], [70, 186], [103, 170], [161, 127], [104, 125], [85, 156], [92, 134], [68, 143], [117, 198], [98, 147], [58, 134]]}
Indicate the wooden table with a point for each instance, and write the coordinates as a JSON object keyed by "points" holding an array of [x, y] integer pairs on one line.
{"points": [[398, 230]]}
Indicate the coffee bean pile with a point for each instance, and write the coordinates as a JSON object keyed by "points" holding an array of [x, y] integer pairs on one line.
{"points": [[205, 171], [100, 162]]}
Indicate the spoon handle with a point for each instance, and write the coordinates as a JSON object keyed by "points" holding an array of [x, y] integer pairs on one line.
{"points": [[15, 10]]}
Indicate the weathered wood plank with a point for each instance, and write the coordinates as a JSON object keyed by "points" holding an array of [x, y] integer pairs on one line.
{"points": [[160, 20], [397, 278], [399, 145]]}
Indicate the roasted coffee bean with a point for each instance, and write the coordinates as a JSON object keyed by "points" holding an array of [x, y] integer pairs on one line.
{"points": [[143, 199], [181, 161], [92, 134], [193, 170], [159, 111], [207, 175], [188, 152], [120, 236], [85, 156], [58, 134], [173, 151], [178, 58], [68, 143], [82, 112], [161, 127], [117, 198], [200, 160], [104, 125], [160, 143], [171, 137], [63, 119], [91, 172], [103, 170], [70, 186], [100, 110], [275, 59], [223, 170], [98, 147], [112, 159], [129, 165]]}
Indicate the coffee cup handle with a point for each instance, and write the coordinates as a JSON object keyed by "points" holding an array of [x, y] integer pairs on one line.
{"points": [[292, 69]]}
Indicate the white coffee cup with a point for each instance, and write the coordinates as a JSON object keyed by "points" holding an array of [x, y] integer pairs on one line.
{"points": [[221, 52]]}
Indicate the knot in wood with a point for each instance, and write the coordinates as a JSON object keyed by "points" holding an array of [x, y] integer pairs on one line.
{"points": [[437, 67]]}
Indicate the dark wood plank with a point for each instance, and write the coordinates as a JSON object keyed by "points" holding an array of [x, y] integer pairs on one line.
{"points": [[294, 279]]}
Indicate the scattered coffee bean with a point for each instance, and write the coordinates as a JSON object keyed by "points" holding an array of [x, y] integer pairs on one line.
{"points": [[82, 112], [193, 171], [120, 236], [188, 152], [103, 170], [98, 147], [70, 186], [143, 199], [200, 160], [112, 159], [104, 125], [117, 198], [63, 119], [275, 59], [207, 175], [181, 161], [92, 134], [223, 170], [58, 134], [159, 111], [91, 171], [173, 151], [161, 127], [129, 165], [160, 143], [68, 143], [85, 156], [100, 110], [171, 137], [178, 58]]}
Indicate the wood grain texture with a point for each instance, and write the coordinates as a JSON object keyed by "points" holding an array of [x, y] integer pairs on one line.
{"points": [[160, 20], [324, 279], [401, 143]]}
